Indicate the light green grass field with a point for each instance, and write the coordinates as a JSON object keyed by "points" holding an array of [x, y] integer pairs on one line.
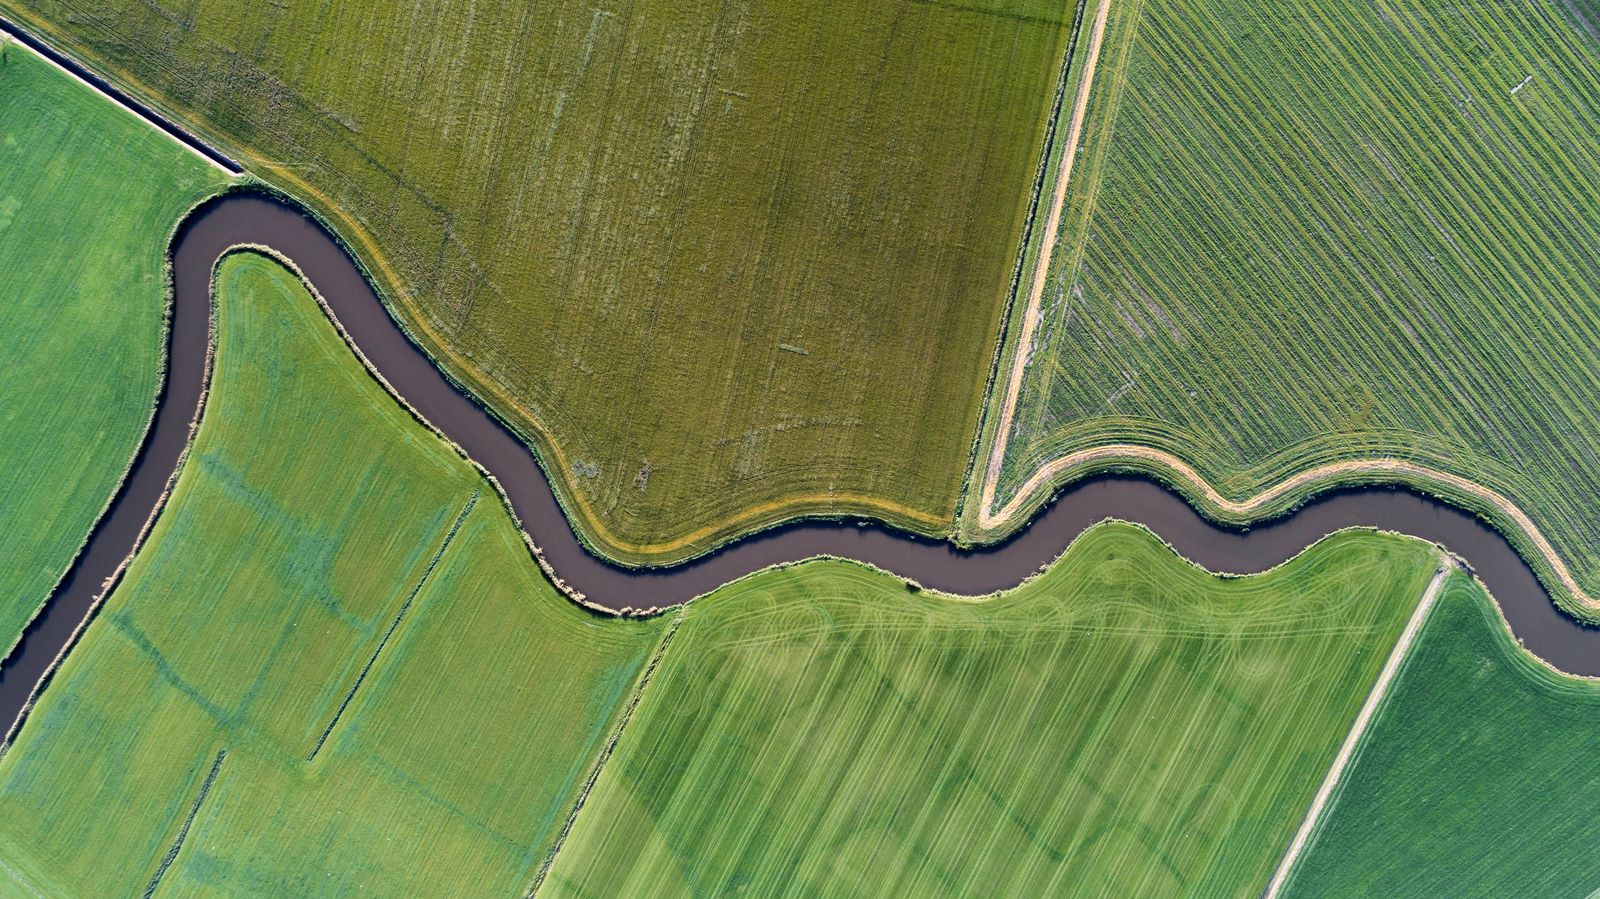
{"points": [[1125, 725], [1478, 778], [1339, 230], [329, 580], [89, 195], [724, 264]]}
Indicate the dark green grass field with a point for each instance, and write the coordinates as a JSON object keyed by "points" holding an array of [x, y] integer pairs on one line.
{"points": [[88, 197], [1341, 230], [724, 265], [1125, 725], [1478, 778], [334, 669]]}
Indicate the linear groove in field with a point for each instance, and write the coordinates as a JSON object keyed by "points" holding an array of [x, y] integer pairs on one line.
{"points": [[183, 832], [404, 607], [605, 755]]}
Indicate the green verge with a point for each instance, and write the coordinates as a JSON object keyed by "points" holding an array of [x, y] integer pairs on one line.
{"points": [[722, 266], [1125, 724], [319, 540], [89, 199], [1478, 777], [1347, 239]]}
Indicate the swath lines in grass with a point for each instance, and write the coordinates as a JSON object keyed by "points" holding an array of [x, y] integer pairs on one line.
{"points": [[395, 624], [183, 832]]}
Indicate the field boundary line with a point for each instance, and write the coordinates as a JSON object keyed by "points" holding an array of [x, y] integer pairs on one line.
{"points": [[183, 832], [605, 756], [1041, 271], [1007, 311], [64, 63], [405, 607], [1347, 751]]}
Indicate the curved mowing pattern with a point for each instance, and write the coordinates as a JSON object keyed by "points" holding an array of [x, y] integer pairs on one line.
{"points": [[245, 218]]}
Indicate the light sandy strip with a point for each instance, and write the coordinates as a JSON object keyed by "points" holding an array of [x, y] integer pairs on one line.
{"points": [[1030, 319], [8, 41], [1374, 699], [1112, 453]]}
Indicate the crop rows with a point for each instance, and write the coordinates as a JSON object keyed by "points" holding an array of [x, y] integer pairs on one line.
{"points": [[1125, 719], [1348, 239]]}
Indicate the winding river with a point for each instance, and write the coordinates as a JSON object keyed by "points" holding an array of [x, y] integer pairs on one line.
{"points": [[249, 218]]}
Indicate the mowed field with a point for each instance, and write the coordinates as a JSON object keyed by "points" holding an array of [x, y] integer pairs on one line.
{"points": [[88, 199], [1346, 230], [723, 265], [1125, 725], [1478, 778], [335, 667]]}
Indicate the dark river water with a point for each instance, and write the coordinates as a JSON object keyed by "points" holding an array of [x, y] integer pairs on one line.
{"points": [[257, 219]]}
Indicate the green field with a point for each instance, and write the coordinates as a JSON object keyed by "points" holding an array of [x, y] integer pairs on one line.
{"points": [[328, 580], [1478, 777], [721, 266], [1125, 725], [1345, 237], [89, 198]]}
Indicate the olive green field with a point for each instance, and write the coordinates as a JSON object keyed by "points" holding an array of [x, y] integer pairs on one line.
{"points": [[1478, 777], [1337, 231], [88, 200], [720, 267], [338, 669]]}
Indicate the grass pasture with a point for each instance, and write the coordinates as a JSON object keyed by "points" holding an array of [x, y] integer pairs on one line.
{"points": [[1125, 725], [334, 668], [1342, 230], [723, 266], [1478, 778], [89, 197]]}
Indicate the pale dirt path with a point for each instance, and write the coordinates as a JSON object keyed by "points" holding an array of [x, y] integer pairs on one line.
{"points": [[1346, 751], [1030, 318]]}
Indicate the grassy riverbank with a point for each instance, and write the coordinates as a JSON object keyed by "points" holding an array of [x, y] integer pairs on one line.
{"points": [[329, 580], [1478, 778], [89, 199], [723, 266], [1366, 232], [1126, 724]]}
